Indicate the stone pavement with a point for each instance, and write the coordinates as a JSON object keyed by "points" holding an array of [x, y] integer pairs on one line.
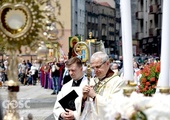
{"points": [[34, 100]]}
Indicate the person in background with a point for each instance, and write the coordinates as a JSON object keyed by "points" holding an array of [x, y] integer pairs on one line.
{"points": [[1, 111], [78, 81], [34, 74], [22, 77], [28, 64], [121, 62], [55, 74], [114, 67], [47, 69], [66, 76], [137, 72], [2, 72], [61, 64], [29, 78], [19, 67], [37, 65], [23, 71], [42, 75], [6, 69]]}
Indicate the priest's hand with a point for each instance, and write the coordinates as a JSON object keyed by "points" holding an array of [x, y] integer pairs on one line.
{"points": [[91, 92], [86, 90], [68, 115]]}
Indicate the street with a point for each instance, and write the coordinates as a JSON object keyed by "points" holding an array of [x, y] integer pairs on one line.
{"points": [[34, 100]]}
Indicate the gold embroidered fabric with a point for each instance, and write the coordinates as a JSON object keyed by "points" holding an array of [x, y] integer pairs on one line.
{"points": [[100, 84]]}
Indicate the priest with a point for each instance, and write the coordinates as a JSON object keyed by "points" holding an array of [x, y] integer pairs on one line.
{"points": [[103, 86]]}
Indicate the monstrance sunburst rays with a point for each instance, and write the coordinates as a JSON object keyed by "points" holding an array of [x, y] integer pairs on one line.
{"points": [[21, 24], [12, 37]]}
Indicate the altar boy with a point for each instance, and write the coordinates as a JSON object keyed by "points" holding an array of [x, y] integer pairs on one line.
{"points": [[79, 80]]}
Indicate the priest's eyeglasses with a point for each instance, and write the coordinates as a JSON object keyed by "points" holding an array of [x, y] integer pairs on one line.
{"points": [[98, 66]]}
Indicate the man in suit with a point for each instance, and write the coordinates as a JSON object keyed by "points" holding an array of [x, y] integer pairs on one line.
{"points": [[75, 69]]}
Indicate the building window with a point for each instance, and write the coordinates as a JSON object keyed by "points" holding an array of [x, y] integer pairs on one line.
{"points": [[93, 31], [96, 20], [83, 13], [89, 20], [96, 33], [146, 6], [146, 27], [75, 29], [103, 31], [151, 2], [92, 19], [88, 32], [82, 25], [150, 23]]}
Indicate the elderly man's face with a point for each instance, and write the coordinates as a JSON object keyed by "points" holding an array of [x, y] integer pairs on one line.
{"points": [[100, 68]]}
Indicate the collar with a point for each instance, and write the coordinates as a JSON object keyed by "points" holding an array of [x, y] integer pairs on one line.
{"points": [[77, 83], [108, 74]]}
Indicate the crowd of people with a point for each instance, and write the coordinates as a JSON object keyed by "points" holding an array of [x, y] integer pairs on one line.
{"points": [[28, 72], [51, 75], [3, 71], [65, 75]]}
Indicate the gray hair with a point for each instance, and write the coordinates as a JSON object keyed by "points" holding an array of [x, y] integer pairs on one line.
{"points": [[104, 57]]}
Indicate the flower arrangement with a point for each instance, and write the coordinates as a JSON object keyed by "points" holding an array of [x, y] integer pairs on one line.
{"points": [[149, 78]]}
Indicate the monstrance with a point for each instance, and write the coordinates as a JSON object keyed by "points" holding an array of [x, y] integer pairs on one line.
{"points": [[21, 24]]}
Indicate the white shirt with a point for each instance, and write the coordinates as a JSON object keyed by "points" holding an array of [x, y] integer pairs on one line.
{"points": [[33, 69]]}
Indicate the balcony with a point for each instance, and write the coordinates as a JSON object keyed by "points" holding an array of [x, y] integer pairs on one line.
{"points": [[153, 32], [153, 9], [139, 35], [139, 15]]}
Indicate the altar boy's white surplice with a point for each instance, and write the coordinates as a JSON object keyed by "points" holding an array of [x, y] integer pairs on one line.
{"points": [[64, 91]]}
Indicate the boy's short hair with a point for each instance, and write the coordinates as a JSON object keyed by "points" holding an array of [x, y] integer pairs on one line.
{"points": [[74, 60]]}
